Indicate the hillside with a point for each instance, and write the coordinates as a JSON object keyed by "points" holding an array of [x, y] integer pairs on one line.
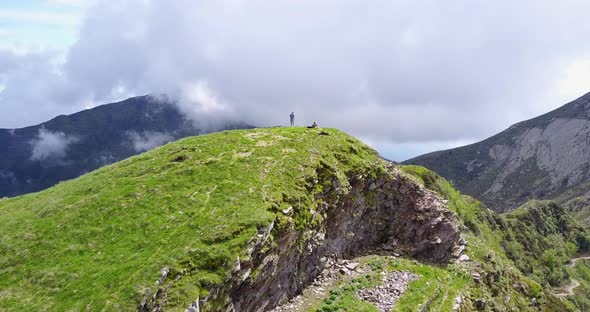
{"points": [[37, 157], [538, 240], [247, 219], [547, 157]]}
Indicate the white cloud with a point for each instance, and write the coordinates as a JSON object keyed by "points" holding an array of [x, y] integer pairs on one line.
{"points": [[405, 72], [147, 140], [70, 3], [49, 18], [576, 79], [6, 32], [199, 98], [7, 176], [404, 151], [51, 145]]}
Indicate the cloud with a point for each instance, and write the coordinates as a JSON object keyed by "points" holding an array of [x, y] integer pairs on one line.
{"points": [[70, 3], [5, 32], [48, 18], [404, 72], [51, 145], [576, 79], [147, 140], [105, 159], [202, 98], [403, 151], [7, 176], [199, 103], [41, 24], [33, 88]]}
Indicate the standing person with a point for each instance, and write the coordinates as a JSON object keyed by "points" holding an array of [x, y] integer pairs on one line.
{"points": [[292, 117]]}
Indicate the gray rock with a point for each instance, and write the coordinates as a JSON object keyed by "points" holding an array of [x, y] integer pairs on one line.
{"points": [[463, 258], [163, 274], [194, 307], [344, 270], [476, 277], [480, 304], [400, 209], [457, 303], [394, 286]]}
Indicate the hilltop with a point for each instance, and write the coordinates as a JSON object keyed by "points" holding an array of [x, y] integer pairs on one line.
{"points": [[67, 146], [247, 219]]}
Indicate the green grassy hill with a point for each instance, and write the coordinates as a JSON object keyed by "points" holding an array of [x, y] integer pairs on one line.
{"points": [[224, 218], [99, 241]]}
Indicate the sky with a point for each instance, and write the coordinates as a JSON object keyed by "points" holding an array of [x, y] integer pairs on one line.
{"points": [[407, 77]]}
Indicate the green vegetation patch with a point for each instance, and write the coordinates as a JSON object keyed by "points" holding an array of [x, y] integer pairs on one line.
{"points": [[528, 247], [434, 290], [579, 274], [540, 238], [100, 241]]}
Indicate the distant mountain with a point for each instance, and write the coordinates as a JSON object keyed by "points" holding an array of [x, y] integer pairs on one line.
{"points": [[547, 157], [37, 157]]}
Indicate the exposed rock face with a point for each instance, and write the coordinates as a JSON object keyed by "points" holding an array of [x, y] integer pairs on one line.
{"points": [[538, 158], [335, 271], [561, 150], [391, 210]]}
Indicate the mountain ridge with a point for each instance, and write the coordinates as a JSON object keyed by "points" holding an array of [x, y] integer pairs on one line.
{"points": [[39, 156], [536, 158]]}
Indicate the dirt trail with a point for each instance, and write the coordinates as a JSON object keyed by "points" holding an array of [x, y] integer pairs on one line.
{"points": [[569, 289], [333, 276], [574, 260]]}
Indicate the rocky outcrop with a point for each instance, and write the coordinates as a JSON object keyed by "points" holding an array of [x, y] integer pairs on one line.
{"points": [[390, 212], [559, 154], [394, 286]]}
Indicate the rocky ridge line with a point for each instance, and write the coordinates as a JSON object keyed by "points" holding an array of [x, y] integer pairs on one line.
{"points": [[391, 212]]}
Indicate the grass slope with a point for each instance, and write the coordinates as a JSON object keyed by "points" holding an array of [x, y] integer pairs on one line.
{"points": [[528, 247], [436, 287], [99, 242]]}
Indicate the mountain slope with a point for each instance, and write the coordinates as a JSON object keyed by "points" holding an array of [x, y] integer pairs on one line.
{"points": [[37, 157], [539, 239], [100, 241], [246, 219], [538, 158]]}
